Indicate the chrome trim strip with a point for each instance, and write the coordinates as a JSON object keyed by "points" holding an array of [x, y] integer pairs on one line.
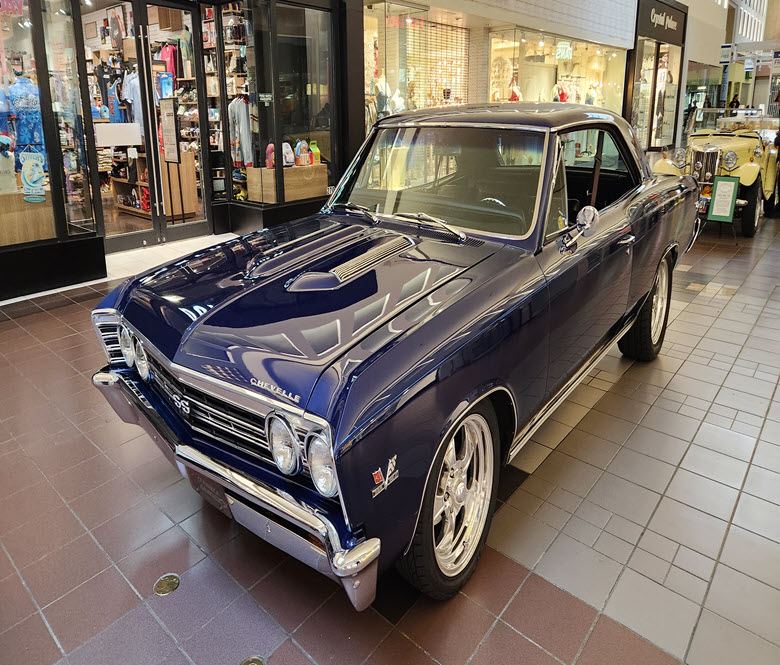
{"points": [[530, 429]]}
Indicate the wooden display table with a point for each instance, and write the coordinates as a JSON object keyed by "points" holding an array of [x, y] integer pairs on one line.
{"points": [[300, 182]]}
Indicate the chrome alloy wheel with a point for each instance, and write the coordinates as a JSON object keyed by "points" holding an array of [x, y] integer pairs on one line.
{"points": [[462, 500], [660, 302], [759, 209]]}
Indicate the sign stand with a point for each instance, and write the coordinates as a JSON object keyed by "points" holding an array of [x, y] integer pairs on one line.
{"points": [[723, 201], [169, 120]]}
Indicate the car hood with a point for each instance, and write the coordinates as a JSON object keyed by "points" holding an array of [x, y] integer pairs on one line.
{"points": [[737, 142], [269, 312]]}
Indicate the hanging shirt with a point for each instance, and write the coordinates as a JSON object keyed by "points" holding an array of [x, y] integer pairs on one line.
{"points": [[240, 132], [169, 54], [115, 114], [103, 76], [25, 102], [185, 44]]}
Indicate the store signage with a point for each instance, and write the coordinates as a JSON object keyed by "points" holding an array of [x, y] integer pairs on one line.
{"points": [[12, 7], [776, 63], [33, 176], [750, 64], [563, 51], [170, 130], [660, 21], [725, 54]]}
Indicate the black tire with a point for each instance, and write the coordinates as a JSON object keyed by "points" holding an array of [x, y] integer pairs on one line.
{"points": [[419, 565], [638, 342], [751, 212], [771, 207]]}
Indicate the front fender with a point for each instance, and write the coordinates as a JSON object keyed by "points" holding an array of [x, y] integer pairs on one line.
{"points": [[747, 173], [666, 167]]}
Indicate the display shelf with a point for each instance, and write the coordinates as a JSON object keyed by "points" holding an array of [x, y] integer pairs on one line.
{"points": [[127, 182], [133, 211]]}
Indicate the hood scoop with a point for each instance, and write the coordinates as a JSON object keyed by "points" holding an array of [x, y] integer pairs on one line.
{"points": [[340, 274]]}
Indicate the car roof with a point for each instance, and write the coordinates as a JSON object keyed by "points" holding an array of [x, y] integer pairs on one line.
{"points": [[547, 115]]}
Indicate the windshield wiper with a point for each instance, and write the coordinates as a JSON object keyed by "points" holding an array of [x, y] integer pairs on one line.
{"points": [[425, 217], [356, 207]]}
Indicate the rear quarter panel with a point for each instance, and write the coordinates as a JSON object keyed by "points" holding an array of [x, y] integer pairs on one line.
{"points": [[662, 217]]}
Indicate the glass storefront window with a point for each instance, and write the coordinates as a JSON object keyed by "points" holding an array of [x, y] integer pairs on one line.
{"points": [[66, 102], [656, 87], [26, 211], [411, 62], [666, 89], [305, 104], [532, 67]]}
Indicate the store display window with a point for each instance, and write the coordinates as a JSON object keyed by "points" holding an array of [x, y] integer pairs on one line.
{"points": [[656, 88], [66, 104], [533, 67], [411, 62], [26, 209]]}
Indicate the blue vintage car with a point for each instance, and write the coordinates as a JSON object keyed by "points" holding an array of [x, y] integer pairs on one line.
{"points": [[347, 386]]}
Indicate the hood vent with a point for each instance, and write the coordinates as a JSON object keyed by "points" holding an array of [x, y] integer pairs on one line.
{"points": [[336, 276]]}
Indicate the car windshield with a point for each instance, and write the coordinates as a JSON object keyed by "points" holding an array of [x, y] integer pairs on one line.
{"points": [[473, 178]]}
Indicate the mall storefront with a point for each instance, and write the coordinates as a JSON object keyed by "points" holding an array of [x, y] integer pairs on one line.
{"points": [[424, 57], [654, 65], [159, 121], [131, 123]]}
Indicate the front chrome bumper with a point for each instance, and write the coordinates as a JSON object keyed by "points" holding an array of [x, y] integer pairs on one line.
{"points": [[270, 514]]}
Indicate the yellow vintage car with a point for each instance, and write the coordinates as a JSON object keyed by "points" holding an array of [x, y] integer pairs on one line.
{"points": [[745, 150]]}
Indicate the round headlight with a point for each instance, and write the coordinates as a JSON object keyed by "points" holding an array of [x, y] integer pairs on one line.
{"points": [[127, 345], [284, 446], [730, 159], [696, 175], [141, 361], [679, 157], [697, 166], [321, 466], [758, 152]]}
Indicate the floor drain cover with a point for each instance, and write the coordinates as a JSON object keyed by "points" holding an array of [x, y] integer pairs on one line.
{"points": [[253, 660], [166, 584]]}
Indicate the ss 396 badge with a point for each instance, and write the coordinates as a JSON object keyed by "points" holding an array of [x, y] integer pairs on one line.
{"points": [[382, 481]]}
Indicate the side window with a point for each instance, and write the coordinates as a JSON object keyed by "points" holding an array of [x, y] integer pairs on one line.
{"points": [[594, 162]]}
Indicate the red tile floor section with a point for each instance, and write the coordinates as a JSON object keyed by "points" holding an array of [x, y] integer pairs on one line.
{"points": [[91, 515]]}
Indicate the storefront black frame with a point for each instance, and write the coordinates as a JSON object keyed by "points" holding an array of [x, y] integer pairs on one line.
{"points": [[628, 97], [63, 259]]}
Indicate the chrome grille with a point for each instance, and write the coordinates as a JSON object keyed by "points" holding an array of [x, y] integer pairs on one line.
{"points": [[709, 164], [212, 417], [109, 336]]}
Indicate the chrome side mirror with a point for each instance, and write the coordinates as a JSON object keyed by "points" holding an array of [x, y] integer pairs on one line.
{"points": [[587, 221], [585, 226]]}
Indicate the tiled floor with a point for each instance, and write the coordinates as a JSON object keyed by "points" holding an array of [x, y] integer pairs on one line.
{"points": [[647, 532]]}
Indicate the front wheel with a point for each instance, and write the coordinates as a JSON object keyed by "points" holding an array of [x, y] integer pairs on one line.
{"points": [[457, 508], [644, 339], [752, 211]]}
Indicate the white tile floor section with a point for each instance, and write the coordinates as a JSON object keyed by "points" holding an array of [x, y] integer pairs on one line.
{"points": [[121, 265], [655, 488]]}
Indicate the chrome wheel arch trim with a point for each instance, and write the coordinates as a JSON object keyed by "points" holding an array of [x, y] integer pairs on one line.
{"points": [[456, 417]]}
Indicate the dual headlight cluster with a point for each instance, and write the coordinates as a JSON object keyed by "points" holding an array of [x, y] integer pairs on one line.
{"points": [[287, 451], [133, 352]]}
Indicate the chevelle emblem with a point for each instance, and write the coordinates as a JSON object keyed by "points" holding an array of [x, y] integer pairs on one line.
{"points": [[271, 388], [382, 482]]}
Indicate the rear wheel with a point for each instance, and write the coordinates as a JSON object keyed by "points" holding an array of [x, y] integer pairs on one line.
{"points": [[645, 338], [457, 508], [752, 211]]}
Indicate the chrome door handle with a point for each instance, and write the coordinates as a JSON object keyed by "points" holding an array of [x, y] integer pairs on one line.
{"points": [[627, 240]]}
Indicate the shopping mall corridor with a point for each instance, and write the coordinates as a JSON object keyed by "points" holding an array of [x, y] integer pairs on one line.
{"points": [[641, 525]]}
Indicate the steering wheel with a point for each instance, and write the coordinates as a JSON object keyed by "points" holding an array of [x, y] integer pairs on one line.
{"points": [[498, 203]]}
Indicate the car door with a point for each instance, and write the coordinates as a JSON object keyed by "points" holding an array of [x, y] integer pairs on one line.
{"points": [[588, 280]]}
